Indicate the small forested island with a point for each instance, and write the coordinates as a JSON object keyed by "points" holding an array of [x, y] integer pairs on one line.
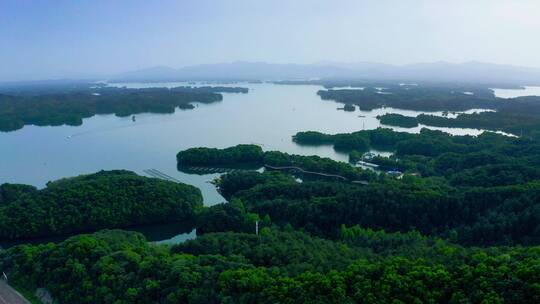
{"points": [[240, 154], [349, 108], [398, 120], [70, 107], [419, 98], [107, 199]]}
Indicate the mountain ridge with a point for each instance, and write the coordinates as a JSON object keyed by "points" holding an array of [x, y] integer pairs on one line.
{"points": [[440, 71]]}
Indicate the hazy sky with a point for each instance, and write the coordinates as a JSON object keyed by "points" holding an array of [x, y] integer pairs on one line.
{"points": [[50, 39]]}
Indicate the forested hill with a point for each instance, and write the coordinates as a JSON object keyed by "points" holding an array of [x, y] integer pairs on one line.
{"points": [[442, 72], [489, 159], [107, 199], [475, 190], [275, 267], [71, 107]]}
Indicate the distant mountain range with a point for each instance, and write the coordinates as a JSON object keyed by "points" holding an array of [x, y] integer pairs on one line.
{"points": [[468, 72]]}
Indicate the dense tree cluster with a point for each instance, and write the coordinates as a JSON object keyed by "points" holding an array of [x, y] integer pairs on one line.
{"points": [[486, 160], [319, 241], [232, 183], [392, 119], [420, 98], [71, 107], [292, 251], [316, 164], [349, 108], [252, 156], [522, 124], [237, 155], [390, 86], [476, 190], [274, 267], [230, 216], [520, 116], [107, 199], [472, 215], [10, 192]]}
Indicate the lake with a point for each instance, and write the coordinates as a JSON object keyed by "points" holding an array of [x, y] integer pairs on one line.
{"points": [[512, 93], [268, 116]]}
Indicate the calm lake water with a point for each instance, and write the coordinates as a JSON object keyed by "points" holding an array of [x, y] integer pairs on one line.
{"points": [[268, 115], [512, 93]]}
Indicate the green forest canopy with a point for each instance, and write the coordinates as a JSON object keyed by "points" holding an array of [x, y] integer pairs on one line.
{"points": [[320, 241], [461, 226], [520, 115], [275, 267], [107, 199], [59, 108]]}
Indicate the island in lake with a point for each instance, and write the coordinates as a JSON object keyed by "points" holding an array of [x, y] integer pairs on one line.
{"points": [[71, 107]]}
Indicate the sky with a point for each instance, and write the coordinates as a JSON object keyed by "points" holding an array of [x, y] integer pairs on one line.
{"points": [[71, 39]]}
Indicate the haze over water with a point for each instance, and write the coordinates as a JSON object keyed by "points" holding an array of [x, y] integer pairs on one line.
{"points": [[512, 93]]}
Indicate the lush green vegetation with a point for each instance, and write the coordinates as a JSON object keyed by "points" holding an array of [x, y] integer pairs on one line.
{"points": [[513, 123], [480, 190], [71, 107], [252, 155], [10, 192], [479, 90], [276, 267], [475, 190], [316, 164], [521, 124], [237, 155], [520, 116], [226, 217], [363, 238], [468, 215], [486, 160], [418, 98], [392, 119], [349, 108], [106, 199], [319, 241]]}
